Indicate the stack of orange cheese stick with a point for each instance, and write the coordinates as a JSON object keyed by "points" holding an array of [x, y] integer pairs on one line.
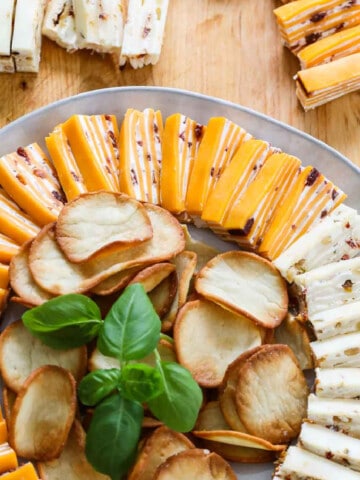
{"points": [[217, 176], [325, 36]]}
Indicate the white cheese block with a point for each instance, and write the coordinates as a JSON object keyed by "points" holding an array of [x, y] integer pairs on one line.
{"points": [[337, 321], [7, 65], [59, 23], [300, 464], [330, 286], [337, 382], [100, 24], [144, 32], [339, 351], [343, 414], [6, 19], [327, 443], [26, 41], [336, 237]]}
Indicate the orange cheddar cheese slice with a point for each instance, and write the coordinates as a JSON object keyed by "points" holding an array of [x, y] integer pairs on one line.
{"points": [[323, 83], [31, 181], [8, 248], [310, 198], [3, 426], [8, 458], [243, 168], [69, 174], [140, 145], [221, 140], [4, 295], [247, 219], [181, 140], [4, 275], [14, 223], [94, 145], [331, 48], [25, 472]]}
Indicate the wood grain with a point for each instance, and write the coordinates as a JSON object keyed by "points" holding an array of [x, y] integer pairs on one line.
{"points": [[226, 48]]}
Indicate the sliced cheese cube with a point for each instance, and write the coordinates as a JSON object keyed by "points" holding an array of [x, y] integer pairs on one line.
{"points": [[8, 458], [221, 140], [59, 23], [25, 472], [143, 32], [4, 275], [330, 286], [6, 19], [69, 174], [336, 321], [180, 144], [30, 179], [339, 351], [336, 237], [140, 144], [100, 24], [8, 248], [93, 142], [26, 40], [337, 383]]}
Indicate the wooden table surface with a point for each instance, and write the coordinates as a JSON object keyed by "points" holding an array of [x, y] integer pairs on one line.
{"points": [[225, 48]]}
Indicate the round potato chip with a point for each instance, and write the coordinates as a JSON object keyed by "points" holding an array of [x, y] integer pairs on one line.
{"points": [[208, 338], [271, 396], [163, 295], [235, 453]]}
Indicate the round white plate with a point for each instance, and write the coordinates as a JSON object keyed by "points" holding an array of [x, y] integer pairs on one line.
{"points": [[38, 124]]}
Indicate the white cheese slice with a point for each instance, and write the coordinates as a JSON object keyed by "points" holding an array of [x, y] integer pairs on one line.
{"points": [[337, 383], [330, 286], [338, 413], [144, 32], [337, 321], [100, 24], [26, 41], [335, 446], [300, 464], [337, 352], [6, 19], [59, 23], [335, 238]]}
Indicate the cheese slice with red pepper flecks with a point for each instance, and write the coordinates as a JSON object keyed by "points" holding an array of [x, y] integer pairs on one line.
{"points": [[30, 179], [250, 214], [143, 32], [7, 9], [8, 248], [303, 22], [14, 223], [59, 24], [310, 198], [324, 83], [338, 383], [69, 174], [181, 140], [221, 140], [94, 145], [140, 144]]}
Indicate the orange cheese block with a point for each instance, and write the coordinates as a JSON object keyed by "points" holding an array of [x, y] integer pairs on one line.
{"points": [[4, 275], [31, 181], [221, 140], [14, 223], [141, 154], [64, 161], [181, 140], [249, 216], [8, 458], [3, 426], [93, 142], [243, 168], [25, 472], [331, 48], [310, 198], [8, 248]]}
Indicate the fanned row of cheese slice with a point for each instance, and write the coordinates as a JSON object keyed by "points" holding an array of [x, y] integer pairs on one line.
{"points": [[325, 36]]}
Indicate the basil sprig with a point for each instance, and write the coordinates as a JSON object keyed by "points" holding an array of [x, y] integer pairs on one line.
{"points": [[130, 331]]}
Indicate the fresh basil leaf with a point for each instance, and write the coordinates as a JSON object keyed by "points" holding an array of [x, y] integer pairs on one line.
{"points": [[131, 329], [179, 404], [113, 434], [98, 384], [141, 382], [67, 321]]}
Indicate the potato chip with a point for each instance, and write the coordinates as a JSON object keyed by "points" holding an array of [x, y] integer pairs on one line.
{"points": [[9, 398], [247, 284], [204, 252], [116, 282], [234, 453], [21, 353], [43, 413], [208, 338], [150, 277], [163, 295], [96, 221]]}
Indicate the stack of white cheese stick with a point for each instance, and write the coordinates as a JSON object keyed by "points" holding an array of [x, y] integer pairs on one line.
{"points": [[324, 267], [130, 30]]}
